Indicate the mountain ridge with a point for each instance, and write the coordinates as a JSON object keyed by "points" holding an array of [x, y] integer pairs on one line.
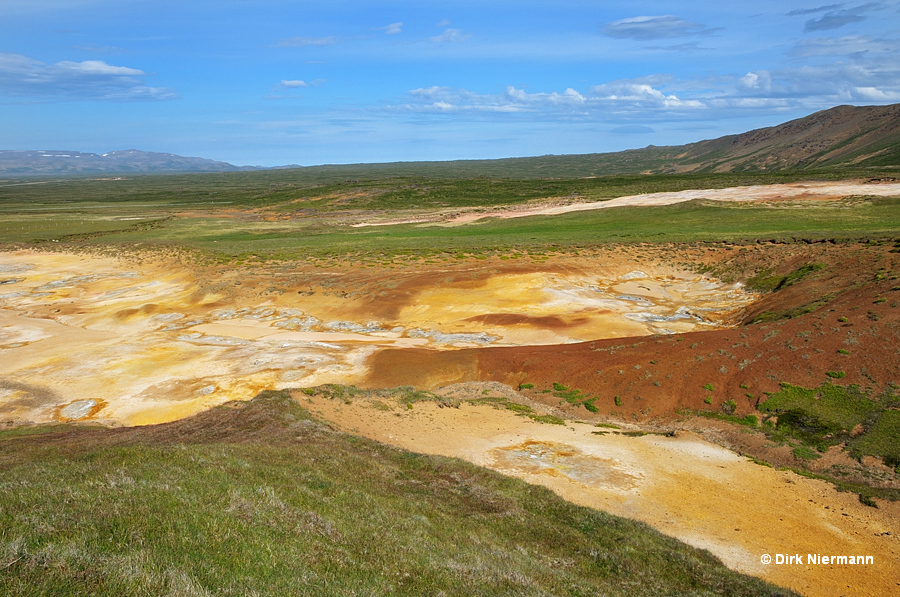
{"points": [[839, 137], [65, 162]]}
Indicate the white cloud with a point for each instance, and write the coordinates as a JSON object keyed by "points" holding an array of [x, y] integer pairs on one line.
{"points": [[870, 75], [444, 23], [300, 42], [569, 103], [90, 79], [876, 95], [450, 35], [98, 67], [844, 46], [756, 81], [656, 27], [282, 89], [392, 29], [640, 92]]}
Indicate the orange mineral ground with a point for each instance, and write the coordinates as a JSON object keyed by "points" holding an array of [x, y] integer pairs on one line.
{"points": [[94, 337]]}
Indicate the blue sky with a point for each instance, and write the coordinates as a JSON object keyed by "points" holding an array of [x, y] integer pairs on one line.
{"points": [[271, 82]]}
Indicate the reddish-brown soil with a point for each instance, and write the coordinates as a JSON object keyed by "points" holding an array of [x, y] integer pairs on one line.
{"points": [[856, 296], [654, 376]]}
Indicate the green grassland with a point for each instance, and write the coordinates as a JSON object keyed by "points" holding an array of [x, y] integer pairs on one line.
{"points": [[833, 414], [686, 222], [189, 210], [259, 499], [377, 186]]}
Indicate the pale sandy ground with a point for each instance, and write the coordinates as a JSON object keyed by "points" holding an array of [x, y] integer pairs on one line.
{"points": [[683, 486], [800, 191], [97, 338]]}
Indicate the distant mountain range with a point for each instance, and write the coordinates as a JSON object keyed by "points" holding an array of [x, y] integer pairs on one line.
{"points": [[867, 136], [61, 162]]}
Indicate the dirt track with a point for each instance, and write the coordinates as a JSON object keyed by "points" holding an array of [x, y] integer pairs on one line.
{"points": [[806, 191]]}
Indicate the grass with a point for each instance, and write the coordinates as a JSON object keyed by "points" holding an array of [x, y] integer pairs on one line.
{"points": [[766, 281], [150, 210], [697, 221], [882, 440], [373, 185], [819, 417], [575, 397], [832, 414], [263, 500], [746, 420], [805, 453]]}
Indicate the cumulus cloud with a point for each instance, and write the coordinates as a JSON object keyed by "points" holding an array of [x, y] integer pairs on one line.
{"points": [[450, 35], [293, 84], [654, 27], [90, 79], [815, 87], [300, 42], [570, 103], [640, 93], [392, 29], [663, 97], [759, 81]]}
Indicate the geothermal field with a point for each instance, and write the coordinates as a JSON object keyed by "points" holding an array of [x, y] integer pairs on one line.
{"points": [[734, 391]]}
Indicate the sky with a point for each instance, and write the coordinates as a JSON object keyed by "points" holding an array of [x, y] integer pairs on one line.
{"points": [[275, 82]]}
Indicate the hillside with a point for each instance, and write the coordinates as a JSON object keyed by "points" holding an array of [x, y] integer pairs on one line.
{"points": [[258, 498], [841, 136]]}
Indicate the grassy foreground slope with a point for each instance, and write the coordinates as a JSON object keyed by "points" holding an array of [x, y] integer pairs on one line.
{"points": [[258, 499]]}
